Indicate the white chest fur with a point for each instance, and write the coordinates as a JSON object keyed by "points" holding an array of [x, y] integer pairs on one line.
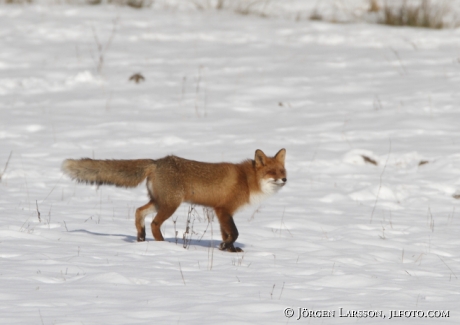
{"points": [[268, 187]]}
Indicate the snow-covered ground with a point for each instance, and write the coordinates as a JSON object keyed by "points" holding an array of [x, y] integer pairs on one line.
{"points": [[342, 233]]}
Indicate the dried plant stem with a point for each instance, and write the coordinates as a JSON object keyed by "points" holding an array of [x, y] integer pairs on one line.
{"points": [[6, 166], [197, 91], [101, 48], [282, 288], [182, 274], [52, 189], [447, 266], [403, 68], [41, 317], [380, 183], [38, 212]]}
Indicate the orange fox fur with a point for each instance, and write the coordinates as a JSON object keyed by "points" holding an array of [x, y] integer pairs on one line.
{"points": [[171, 180]]}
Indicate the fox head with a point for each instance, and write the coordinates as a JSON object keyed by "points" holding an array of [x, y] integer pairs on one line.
{"points": [[270, 171]]}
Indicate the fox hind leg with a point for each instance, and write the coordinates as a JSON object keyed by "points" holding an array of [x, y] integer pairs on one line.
{"points": [[228, 230], [141, 213], [164, 212]]}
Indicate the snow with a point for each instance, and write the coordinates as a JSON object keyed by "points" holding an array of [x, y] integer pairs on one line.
{"points": [[342, 233]]}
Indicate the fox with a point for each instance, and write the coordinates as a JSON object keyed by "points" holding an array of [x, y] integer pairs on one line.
{"points": [[225, 187]]}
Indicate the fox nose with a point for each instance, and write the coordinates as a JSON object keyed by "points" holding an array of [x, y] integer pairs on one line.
{"points": [[284, 179]]}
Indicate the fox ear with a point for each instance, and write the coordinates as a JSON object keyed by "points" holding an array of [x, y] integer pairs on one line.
{"points": [[260, 158], [281, 156]]}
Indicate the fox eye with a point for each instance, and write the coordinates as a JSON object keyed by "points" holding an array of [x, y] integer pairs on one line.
{"points": [[271, 172]]}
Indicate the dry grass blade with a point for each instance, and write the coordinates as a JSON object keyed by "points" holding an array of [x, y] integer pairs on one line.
{"points": [[247, 7], [447, 267], [182, 274], [315, 15], [374, 6], [6, 166], [137, 78], [38, 212], [380, 183], [15, 2], [369, 160], [138, 4], [421, 14], [102, 49]]}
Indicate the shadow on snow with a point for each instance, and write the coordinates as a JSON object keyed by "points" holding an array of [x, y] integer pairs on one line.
{"points": [[177, 241]]}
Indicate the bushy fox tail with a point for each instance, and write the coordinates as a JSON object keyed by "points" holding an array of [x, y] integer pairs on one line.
{"points": [[124, 173]]}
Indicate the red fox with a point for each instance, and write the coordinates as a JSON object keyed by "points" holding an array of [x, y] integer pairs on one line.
{"points": [[225, 187]]}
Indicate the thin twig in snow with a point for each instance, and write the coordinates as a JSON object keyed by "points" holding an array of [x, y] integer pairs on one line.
{"points": [[198, 80], [447, 266], [281, 291], [6, 166], [41, 318], [52, 189], [403, 68], [102, 49], [380, 183], [38, 212], [182, 274]]}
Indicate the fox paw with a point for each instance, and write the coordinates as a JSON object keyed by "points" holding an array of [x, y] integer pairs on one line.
{"points": [[141, 235], [229, 248]]}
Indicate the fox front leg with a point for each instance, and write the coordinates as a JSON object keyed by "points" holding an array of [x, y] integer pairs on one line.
{"points": [[229, 248], [228, 230]]}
